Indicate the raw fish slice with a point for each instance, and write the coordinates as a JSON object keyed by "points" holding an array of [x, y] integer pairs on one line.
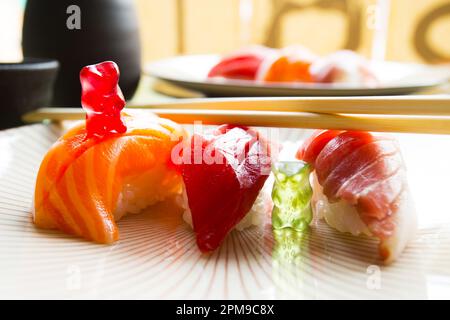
{"points": [[312, 146], [80, 181], [337, 149], [284, 69], [380, 200], [291, 64], [242, 67], [356, 161], [243, 64], [363, 172], [112, 164], [231, 168], [344, 66], [369, 179]]}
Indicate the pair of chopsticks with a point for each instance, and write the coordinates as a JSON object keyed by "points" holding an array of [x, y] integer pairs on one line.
{"points": [[415, 114]]}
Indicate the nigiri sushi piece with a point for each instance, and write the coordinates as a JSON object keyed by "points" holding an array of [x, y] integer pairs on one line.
{"points": [[291, 64], [115, 163], [243, 64], [344, 66], [223, 174], [360, 187]]}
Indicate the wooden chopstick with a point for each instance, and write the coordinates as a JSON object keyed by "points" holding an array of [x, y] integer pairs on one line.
{"points": [[398, 105], [381, 123]]}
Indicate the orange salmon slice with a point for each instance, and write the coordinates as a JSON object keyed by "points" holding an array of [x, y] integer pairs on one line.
{"points": [[81, 179]]}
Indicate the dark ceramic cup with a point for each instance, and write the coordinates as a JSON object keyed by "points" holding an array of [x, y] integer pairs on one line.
{"points": [[83, 32], [25, 86]]}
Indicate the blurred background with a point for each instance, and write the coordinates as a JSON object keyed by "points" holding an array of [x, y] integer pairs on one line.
{"points": [[135, 33], [401, 30]]}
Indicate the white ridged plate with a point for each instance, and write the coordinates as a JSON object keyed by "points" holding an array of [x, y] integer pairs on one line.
{"points": [[191, 72], [157, 256]]}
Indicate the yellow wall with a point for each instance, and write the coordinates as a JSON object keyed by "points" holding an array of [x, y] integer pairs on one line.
{"points": [[209, 26], [158, 27], [405, 15]]}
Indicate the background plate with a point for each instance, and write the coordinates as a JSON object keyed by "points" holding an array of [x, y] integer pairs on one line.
{"points": [[191, 71], [157, 256]]}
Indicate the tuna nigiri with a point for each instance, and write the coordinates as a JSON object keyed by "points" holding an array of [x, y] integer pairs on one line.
{"points": [[117, 163], [243, 64], [223, 173], [360, 186]]}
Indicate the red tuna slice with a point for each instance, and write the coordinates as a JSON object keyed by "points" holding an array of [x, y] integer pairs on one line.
{"points": [[227, 170], [367, 172], [353, 166], [244, 66], [337, 149], [376, 188], [312, 146], [364, 170]]}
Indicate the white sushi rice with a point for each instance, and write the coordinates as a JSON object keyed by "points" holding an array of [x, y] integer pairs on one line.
{"points": [[139, 192], [345, 218], [258, 215], [339, 215]]}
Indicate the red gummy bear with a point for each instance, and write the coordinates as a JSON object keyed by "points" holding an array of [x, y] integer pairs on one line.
{"points": [[102, 99]]}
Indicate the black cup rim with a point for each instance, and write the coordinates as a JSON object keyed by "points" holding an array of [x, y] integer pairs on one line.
{"points": [[29, 63]]}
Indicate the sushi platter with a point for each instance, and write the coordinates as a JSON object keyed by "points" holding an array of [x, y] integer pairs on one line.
{"points": [[191, 72], [157, 257], [129, 204]]}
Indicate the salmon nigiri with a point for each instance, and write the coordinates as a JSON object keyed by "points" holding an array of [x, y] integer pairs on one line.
{"points": [[360, 186], [113, 164], [290, 64]]}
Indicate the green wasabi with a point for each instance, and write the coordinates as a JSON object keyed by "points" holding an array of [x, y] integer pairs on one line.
{"points": [[291, 195]]}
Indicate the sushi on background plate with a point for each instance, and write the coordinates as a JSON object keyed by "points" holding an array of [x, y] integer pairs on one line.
{"points": [[296, 64], [242, 64], [344, 67]]}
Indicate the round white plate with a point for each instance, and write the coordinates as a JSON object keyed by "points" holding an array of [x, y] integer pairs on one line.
{"points": [[157, 256], [396, 78]]}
